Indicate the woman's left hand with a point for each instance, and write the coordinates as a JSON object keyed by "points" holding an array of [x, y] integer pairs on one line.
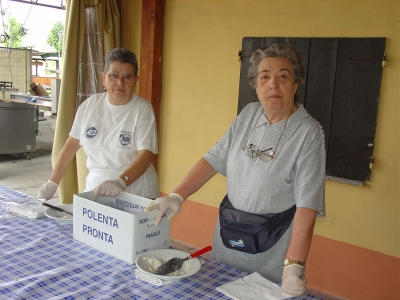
{"points": [[109, 188], [292, 283]]}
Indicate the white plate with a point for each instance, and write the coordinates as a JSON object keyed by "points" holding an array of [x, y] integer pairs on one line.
{"points": [[59, 216], [189, 267]]}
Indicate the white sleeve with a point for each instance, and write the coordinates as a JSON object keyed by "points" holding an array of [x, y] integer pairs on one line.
{"points": [[76, 128], [146, 130]]}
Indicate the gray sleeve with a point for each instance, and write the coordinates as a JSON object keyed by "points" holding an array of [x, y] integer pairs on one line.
{"points": [[217, 156], [309, 181]]}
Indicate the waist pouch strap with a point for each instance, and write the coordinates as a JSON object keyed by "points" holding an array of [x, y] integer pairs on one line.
{"points": [[252, 233]]}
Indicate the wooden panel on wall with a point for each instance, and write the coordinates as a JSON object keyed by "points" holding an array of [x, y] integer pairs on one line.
{"points": [[355, 105], [321, 81], [151, 53]]}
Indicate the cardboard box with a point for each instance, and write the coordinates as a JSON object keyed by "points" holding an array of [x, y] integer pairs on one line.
{"points": [[118, 226], [38, 90]]}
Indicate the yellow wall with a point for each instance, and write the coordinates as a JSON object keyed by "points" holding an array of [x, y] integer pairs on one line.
{"points": [[131, 23], [200, 92]]}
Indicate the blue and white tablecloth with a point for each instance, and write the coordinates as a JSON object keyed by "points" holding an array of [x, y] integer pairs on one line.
{"points": [[8, 194], [39, 259]]}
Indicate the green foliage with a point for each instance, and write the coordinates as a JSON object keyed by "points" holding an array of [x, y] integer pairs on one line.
{"points": [[13, 32], [55, 37]]}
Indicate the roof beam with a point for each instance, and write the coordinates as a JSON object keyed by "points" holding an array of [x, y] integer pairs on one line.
{"points": [[62, 6]]}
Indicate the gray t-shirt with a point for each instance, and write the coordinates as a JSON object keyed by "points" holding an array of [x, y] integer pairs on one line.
{"points": [[295, 176]]}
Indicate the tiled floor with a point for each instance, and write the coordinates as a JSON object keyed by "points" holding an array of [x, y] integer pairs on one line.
{"points": [[189, 248]]}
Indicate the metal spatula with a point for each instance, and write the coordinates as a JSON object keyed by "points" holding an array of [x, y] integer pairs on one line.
{"points": [[174, 264]]}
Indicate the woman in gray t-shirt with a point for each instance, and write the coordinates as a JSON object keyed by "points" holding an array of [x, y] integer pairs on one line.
{"points": [[273, 157]]}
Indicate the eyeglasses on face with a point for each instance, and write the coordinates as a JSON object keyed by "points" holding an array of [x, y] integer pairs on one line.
{"points": [[115, 77], [253, 151]]}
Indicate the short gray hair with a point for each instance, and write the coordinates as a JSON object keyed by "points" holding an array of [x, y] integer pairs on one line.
{"points": [[276, 50], [122, 55]]}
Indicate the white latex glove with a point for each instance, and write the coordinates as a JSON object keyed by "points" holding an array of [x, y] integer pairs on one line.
{"points": [[292, 283], [109, 188], [47, 190], [172, 201]]}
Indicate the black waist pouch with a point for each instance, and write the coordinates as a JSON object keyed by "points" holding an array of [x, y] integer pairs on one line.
{"points": [[251, 233]]}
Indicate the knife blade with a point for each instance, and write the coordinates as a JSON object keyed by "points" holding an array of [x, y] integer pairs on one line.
{"points": [[56, 208]]}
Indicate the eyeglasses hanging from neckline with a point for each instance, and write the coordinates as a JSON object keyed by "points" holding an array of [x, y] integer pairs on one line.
{"points": [[253, 151]]}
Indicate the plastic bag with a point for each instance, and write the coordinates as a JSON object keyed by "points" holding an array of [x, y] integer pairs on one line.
{"points": [[26, 206]]}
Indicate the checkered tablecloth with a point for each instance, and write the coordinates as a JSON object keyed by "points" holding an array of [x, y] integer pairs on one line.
{"points": [[39, 259], [8, 194]]}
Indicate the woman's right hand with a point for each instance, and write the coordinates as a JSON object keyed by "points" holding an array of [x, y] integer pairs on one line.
{"points": [[47, 190], [173, 202]]}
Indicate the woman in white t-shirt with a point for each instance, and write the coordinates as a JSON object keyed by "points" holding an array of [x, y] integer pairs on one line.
{"points": [[117, 130]]}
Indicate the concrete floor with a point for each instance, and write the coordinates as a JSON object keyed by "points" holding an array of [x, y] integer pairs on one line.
{"points": [[26, 176]]}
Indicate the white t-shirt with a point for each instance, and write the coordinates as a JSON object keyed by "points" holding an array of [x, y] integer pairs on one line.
{"points": [[112, 135]]}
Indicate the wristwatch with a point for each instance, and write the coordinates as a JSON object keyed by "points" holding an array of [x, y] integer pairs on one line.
{"points": [[288, 262], [126, 178]]}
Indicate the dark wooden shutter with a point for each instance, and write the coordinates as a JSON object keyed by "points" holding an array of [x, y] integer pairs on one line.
{"points": [[341, 92]]}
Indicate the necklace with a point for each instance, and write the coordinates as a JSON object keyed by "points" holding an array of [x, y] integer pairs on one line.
{"points": [[284, 126]]}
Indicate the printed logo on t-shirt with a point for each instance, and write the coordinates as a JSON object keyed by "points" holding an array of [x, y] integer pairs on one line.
{"points": [[288, 180], [125, 137], [91, 132]]}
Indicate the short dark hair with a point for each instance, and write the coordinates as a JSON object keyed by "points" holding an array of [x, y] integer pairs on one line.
{"points": [[276, 50], [122, 55]]}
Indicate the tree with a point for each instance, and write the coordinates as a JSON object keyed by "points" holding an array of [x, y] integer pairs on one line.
{"points": [[13, 34], [55, 37]]}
